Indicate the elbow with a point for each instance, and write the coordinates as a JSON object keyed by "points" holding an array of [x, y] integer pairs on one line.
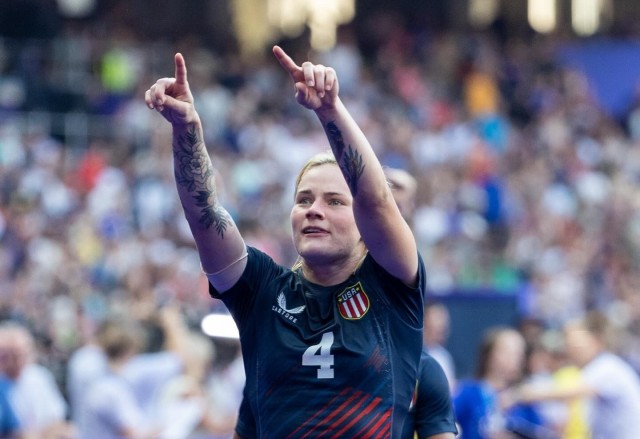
{"points": [[378, 200]]}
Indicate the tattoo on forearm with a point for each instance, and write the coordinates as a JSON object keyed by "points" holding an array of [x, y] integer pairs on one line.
{"points": [[335, 139], [212, 214], [352, 167], [349, 159], [193, 172]]}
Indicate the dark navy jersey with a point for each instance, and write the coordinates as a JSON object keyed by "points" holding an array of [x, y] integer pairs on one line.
{"points": [[432, 412], [339, 361]]}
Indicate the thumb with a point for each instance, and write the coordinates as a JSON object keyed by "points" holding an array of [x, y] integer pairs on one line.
{"points": [[302, 92]]}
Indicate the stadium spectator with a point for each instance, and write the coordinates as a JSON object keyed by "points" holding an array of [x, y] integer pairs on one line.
{"points": [[435, 335], [161, 354], [9, 424], [33, 392], [609, 383], [110, 408], [478, 406]]}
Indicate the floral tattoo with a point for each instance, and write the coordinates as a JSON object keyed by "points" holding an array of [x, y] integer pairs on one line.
{"points": [[193, 171], [349, 159]]}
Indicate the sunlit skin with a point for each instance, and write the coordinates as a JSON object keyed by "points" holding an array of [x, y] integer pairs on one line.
{"points": [[323, 224]]}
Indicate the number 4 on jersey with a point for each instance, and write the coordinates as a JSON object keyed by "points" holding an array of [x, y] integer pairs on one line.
{"points": [[322, 359]]}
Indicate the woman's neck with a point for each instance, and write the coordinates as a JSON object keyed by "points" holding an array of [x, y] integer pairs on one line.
{"points": [[331, 274]]}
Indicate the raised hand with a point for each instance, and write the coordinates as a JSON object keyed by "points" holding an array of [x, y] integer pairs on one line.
{"points": [[316, 85], [172, 97]]}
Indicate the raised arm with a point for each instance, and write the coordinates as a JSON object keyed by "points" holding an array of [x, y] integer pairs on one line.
{"points": [[382, 227], [219, 242], [531, 393]]}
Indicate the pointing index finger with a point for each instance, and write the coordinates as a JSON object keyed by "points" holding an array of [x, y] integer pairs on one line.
{"points": [[287, 63], [181, 69]]}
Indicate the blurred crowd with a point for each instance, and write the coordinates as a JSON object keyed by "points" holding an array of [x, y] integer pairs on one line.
{"points": [[525, 184]]}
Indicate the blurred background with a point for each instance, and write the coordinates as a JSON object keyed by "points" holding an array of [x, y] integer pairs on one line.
{"points": [[520, 121]]}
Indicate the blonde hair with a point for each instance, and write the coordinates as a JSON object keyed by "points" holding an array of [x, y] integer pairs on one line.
{"points": [[322, 158]]}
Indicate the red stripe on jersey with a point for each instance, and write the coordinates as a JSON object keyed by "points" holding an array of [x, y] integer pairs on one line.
{"points": [[367, 410], [342, 418], [337, 411], [334, 413], [370, 427], [384, 432]]}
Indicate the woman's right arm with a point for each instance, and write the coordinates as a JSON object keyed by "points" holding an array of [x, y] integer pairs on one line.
{"points": [[220, 245]]}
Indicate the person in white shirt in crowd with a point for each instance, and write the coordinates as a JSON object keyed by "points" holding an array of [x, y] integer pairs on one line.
{"points": [[159, 361], [608, 383], [34, 393], [435, 333], [145, 372], [225, 387], [110, 408], [86, 364], [187, 401]]}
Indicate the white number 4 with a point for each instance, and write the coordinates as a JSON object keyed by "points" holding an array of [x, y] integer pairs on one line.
{"points": [[324, 359]]}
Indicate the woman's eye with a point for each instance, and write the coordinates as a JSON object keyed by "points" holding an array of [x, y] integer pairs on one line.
{"points": [[335, 203], [304, 201]]}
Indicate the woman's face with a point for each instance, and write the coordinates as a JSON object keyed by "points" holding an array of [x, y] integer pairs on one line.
{"points": [[322, 221]]}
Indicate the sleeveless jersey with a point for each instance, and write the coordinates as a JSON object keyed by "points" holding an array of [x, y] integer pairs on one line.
{"points": [[326, 362]]}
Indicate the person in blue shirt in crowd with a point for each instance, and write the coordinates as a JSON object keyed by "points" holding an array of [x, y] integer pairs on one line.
{"points": [[478, 403], [9, 423]]}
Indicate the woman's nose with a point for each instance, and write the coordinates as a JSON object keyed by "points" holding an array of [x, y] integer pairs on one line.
{"points": [[315, 210]]}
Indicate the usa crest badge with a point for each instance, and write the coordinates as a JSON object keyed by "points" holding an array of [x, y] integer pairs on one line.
{"points": [[353, 303]]}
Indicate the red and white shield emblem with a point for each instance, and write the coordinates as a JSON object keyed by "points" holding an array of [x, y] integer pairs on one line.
{"points": [[353, 303]]}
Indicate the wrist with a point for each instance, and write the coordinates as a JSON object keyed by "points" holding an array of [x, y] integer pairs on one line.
{"points": [[187, 122], [328, 113]]}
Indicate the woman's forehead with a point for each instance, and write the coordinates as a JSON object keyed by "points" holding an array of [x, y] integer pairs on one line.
{"points": [[323, 178]]}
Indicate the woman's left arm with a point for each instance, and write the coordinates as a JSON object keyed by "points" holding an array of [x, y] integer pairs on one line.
{"points": [[384, 231]]}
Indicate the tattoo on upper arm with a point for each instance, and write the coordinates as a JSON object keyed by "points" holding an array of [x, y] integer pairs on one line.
{"points": [[194, 172], [349, 159]]}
